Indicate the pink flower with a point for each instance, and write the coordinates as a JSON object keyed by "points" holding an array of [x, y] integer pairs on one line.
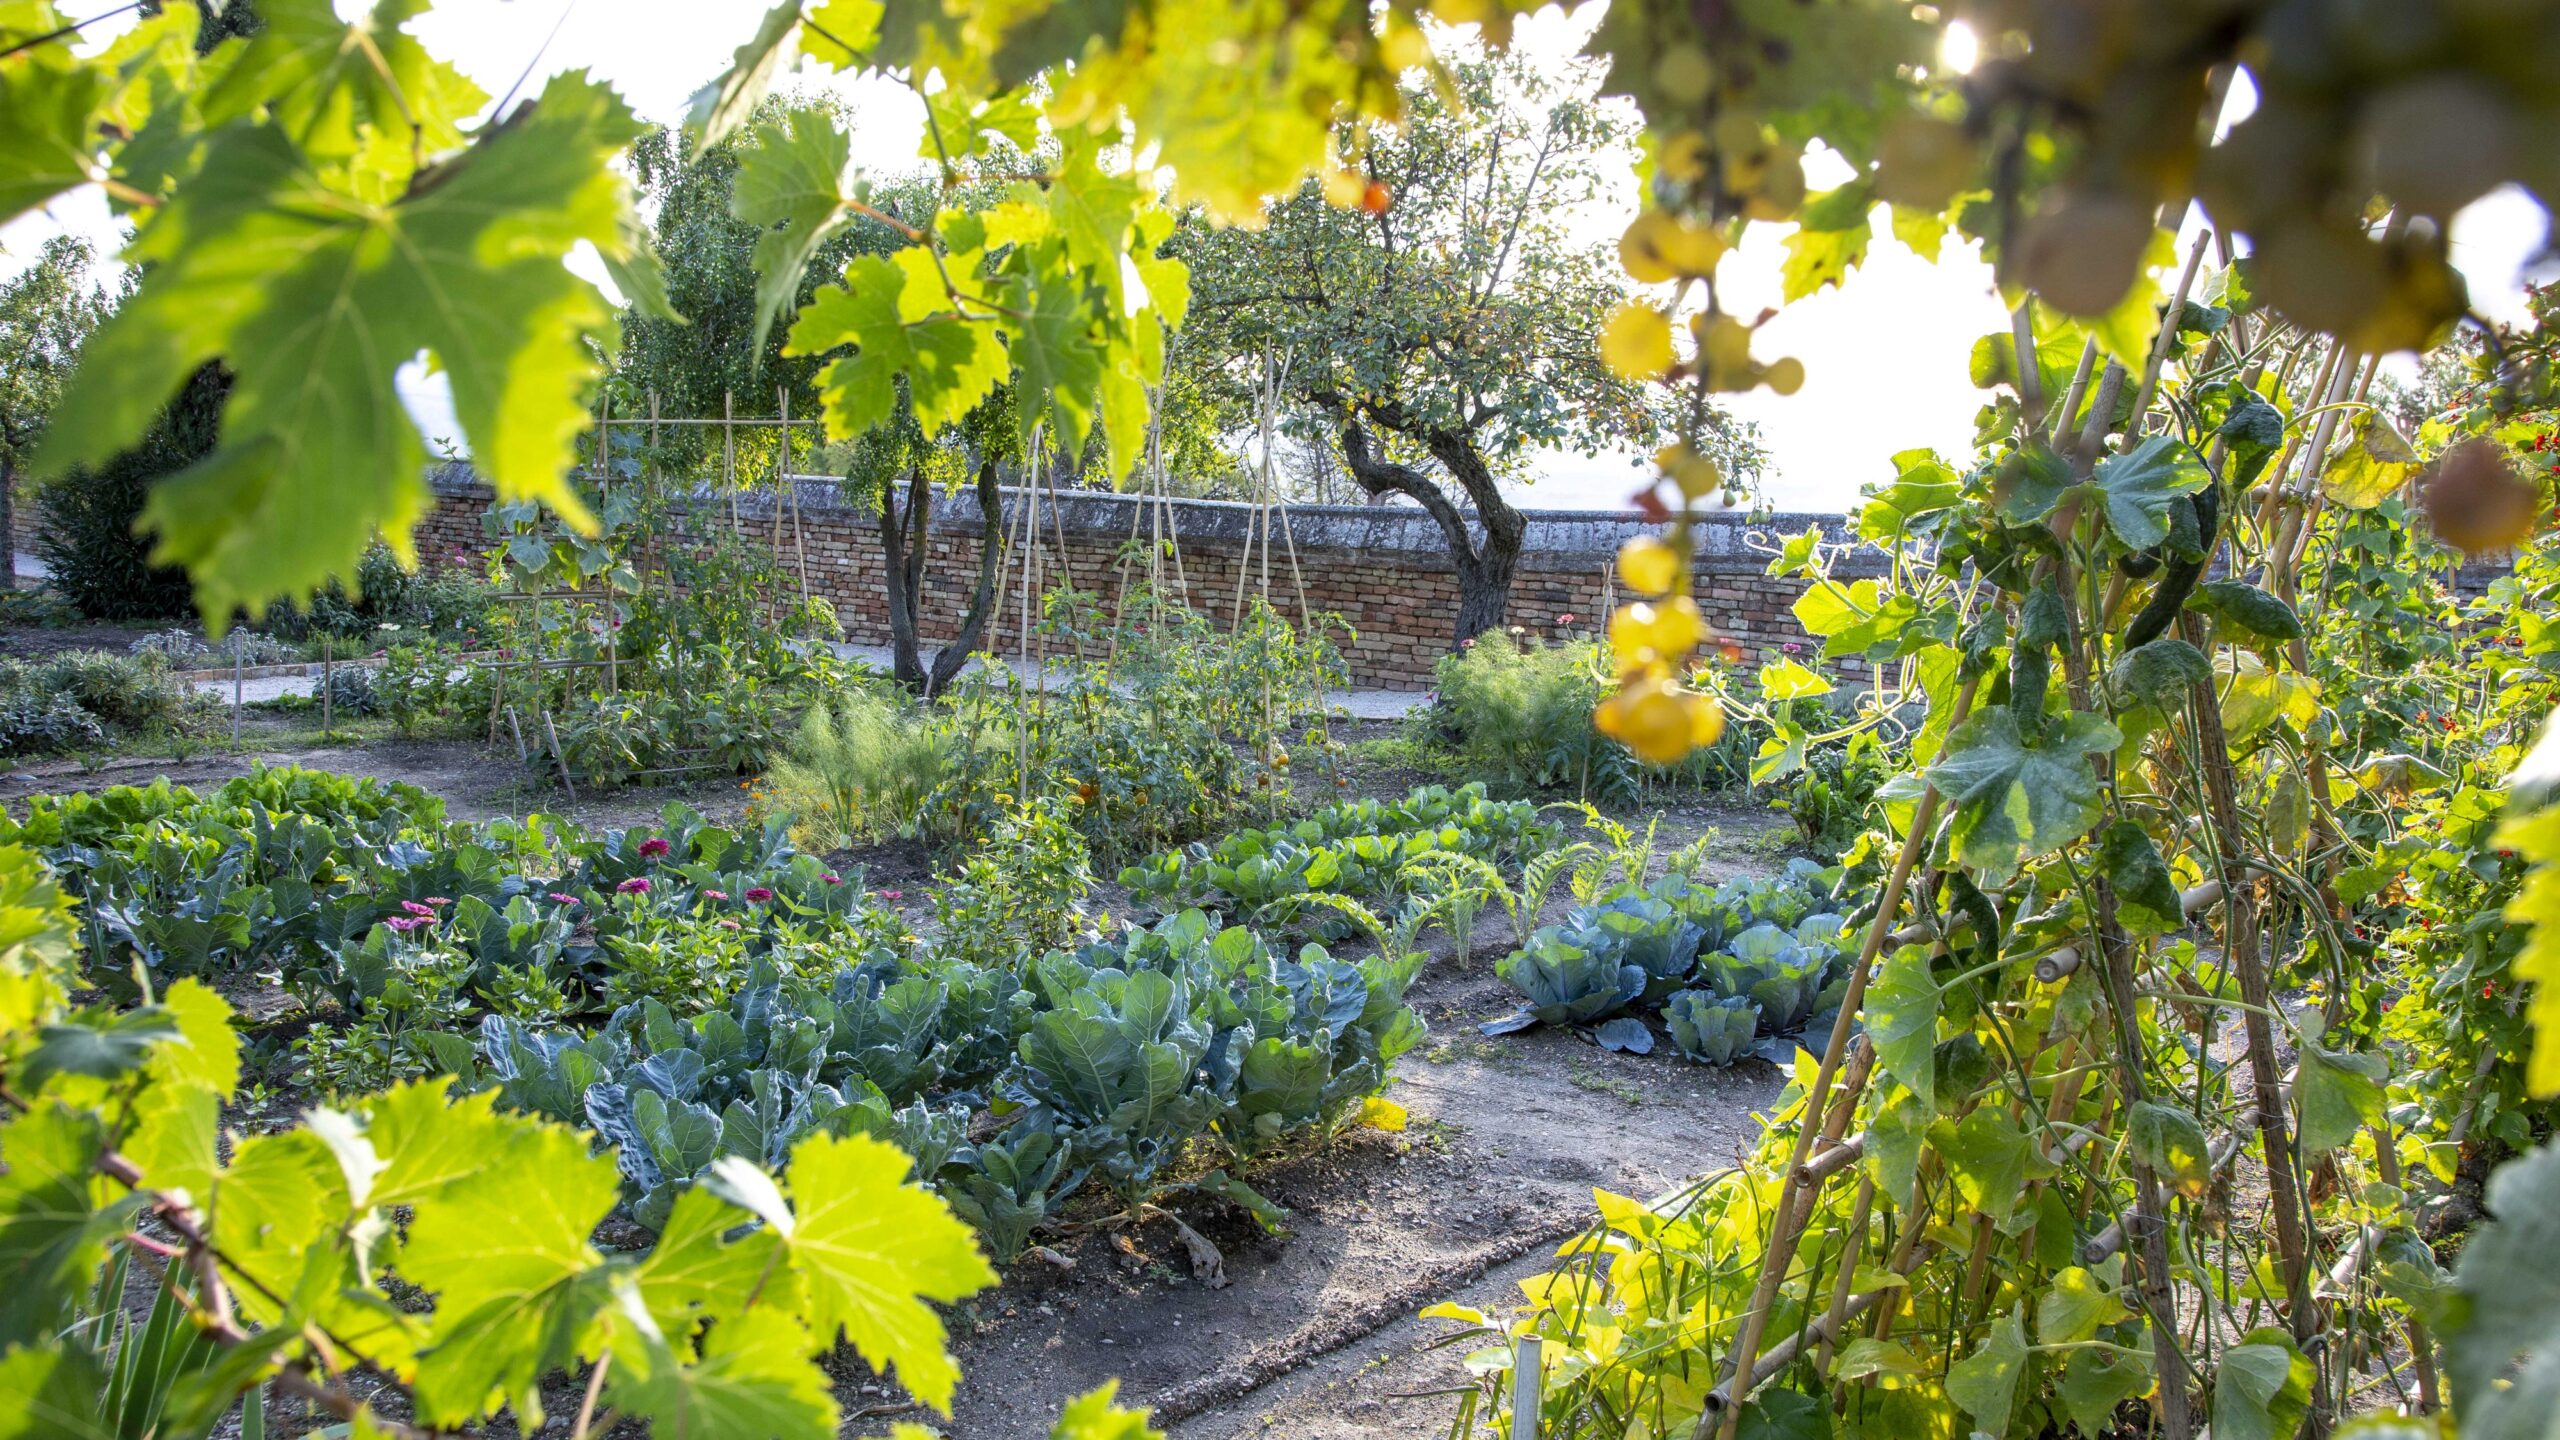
{"points": [[439, 899], [728, 924], [832, 878], [562, 898], [423, 912], [636, 885], [403, 924], [893, 894], [715, 894], [652, 848], [1791, 647], [1467, 644], [759, 895], [1565, 619]]}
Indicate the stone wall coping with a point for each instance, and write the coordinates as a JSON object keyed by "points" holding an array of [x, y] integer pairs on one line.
{"points": [[1728, 542]]}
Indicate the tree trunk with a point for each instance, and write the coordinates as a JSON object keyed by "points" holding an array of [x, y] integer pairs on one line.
{"points": [[1485, 564], [948, 660], [902, 543], [9, 522]]}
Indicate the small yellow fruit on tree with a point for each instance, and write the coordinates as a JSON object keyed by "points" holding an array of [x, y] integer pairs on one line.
{"points": [[1636, 341]]}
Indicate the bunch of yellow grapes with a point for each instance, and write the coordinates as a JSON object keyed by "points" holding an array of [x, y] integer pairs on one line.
{"points": [[1653, 642]]}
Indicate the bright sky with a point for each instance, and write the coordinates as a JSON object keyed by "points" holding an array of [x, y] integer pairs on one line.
{"points": [[1884, 356]]}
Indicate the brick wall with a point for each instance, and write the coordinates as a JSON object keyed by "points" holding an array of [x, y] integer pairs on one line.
{"points": [[1384, 570]]}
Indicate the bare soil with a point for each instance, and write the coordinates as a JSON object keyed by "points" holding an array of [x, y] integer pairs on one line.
{"points": [[1314, 1333]]}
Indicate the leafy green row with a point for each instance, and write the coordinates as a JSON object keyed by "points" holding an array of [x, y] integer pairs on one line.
{"points": [[1733, 971], [1106, 1063], [1358, 849]]}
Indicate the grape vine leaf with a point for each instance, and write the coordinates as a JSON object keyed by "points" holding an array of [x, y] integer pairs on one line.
{"points": [[791, 186], [518, 1286], [840, 33], [1822, 254], [44, 133], [338, 87], [1985, 1382], [315, 299], [1055, 355], [99, 1046], [53, 1230], [694, 1275], [872, 1250], [1094, 1416], [2263, 1388], [2136, 489], [725, 103], [278, 1198], [753, 1378], [2014, 801], [2508, 1304], [950, 362], [50, 1391]]}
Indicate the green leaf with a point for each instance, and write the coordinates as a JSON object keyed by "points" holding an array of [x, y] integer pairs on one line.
{"points": [[2095, 1382], [2073, 1306], [1987, 1154], [1819, 258], [518, 1286], [1985, 1382], [2137, 488], [2510, 1303], [50, 1391], [695, 1274], [791, 186], [1091, 210], [894, 312], [1886, 1361], [1780, 1414], [1784, 679], [723, 105], [2169, 1143], [315, 299], [2251, 433], [2255, 697], [45, 133], [2238, 605], [2263, 1389], [53, 1224], [2014, 802], [2340, 1093], [102, 1047], [872, 1250], [343, 86], [1901, 1011], [2161, 672], [207, 1050], [1059, 367], [841, 33], [2030, 483], [1093, 1416], [754, 1378], [2372, 463], [2146, 897]]}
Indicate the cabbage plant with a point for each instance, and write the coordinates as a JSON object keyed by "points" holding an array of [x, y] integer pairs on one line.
{"points": [[1709, 1029]]}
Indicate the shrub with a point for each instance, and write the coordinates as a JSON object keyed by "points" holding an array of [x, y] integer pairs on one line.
{"points": [[187, 650], [862, 767], [80, 699], [1517, 714], [87, 538]]}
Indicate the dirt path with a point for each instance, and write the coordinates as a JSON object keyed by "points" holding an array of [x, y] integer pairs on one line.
{"points": [[1316, 1331]]}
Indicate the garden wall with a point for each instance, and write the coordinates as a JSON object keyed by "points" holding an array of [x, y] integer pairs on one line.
{"points": [[1384, 570]]}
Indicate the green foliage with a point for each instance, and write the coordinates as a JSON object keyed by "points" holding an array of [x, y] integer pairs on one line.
{"points": [[95, 553], [864, 766], [79, 700]]}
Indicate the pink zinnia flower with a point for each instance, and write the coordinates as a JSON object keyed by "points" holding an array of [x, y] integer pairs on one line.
{"points": [[715, 894], [652, 848], [759, 895], [1565, 619], [893, 894], [561, 897], [423, 912], [832, 878], [636, 885], [403, 924], [439, 899], [728, 924]]}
